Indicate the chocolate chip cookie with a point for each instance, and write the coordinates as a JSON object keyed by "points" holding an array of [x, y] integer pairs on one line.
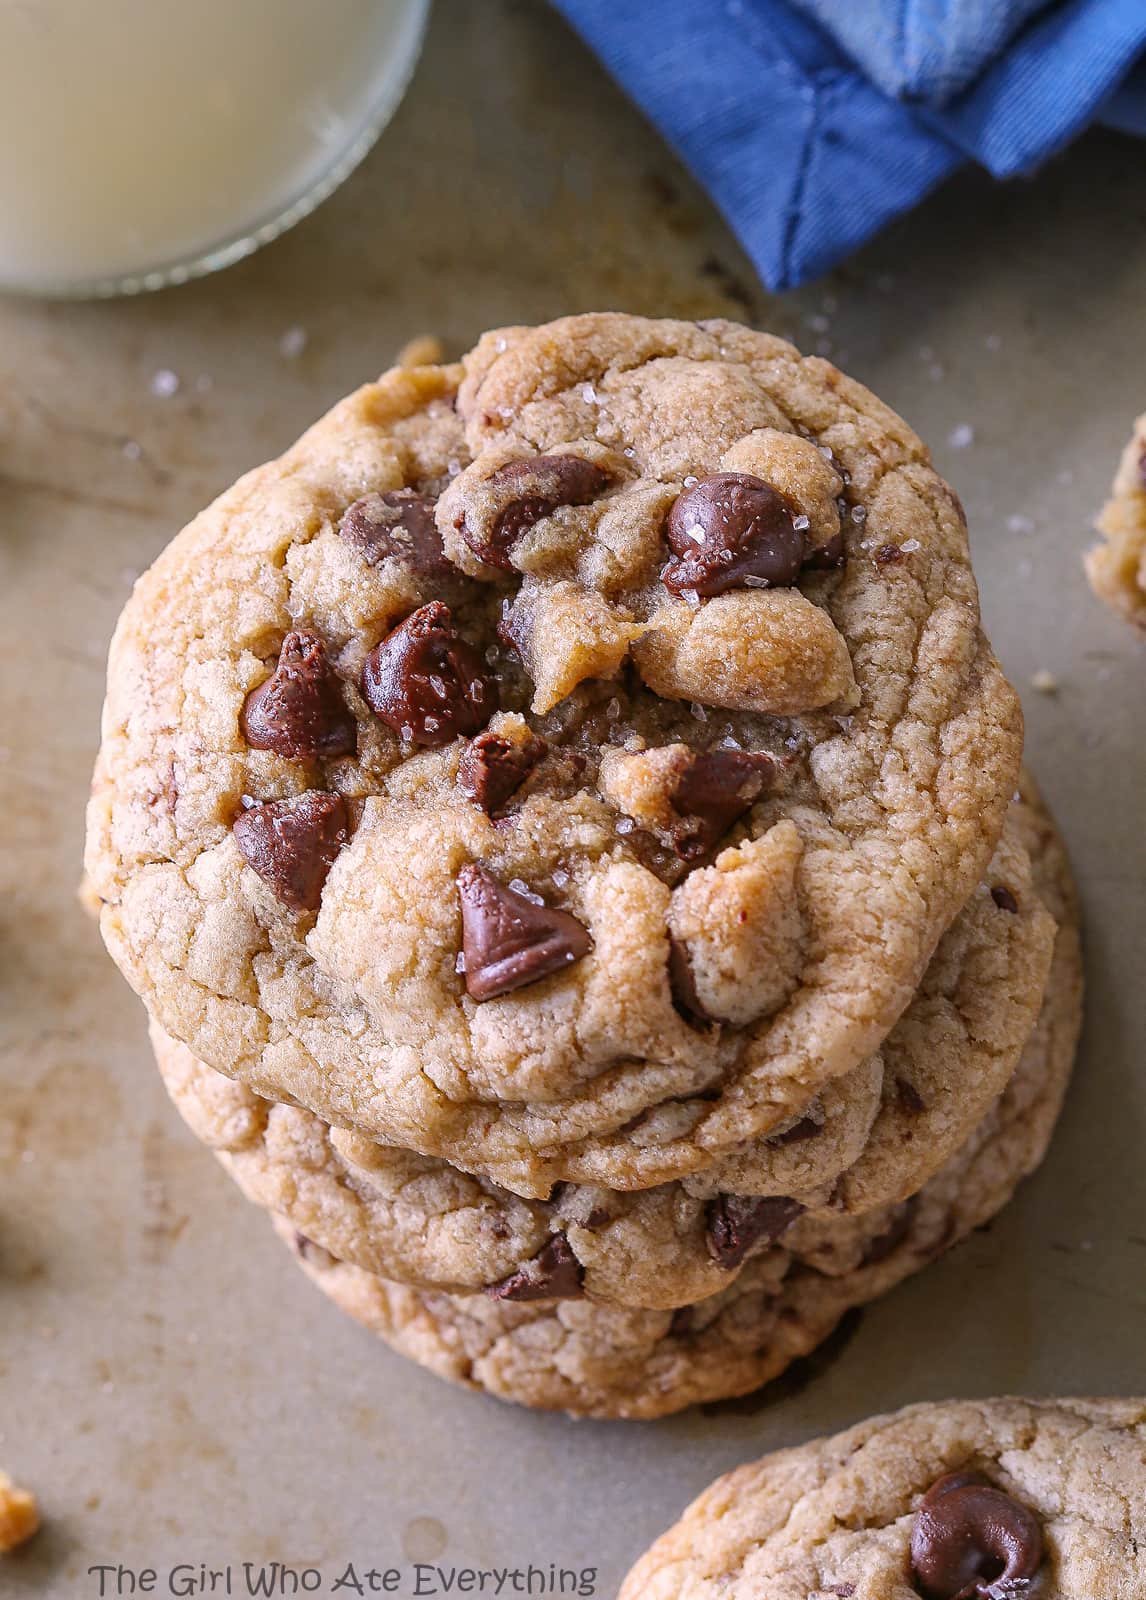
{"points": [[990, 1498], [609, 1361], [1117, 568], [877, 1135], [564, 763]]}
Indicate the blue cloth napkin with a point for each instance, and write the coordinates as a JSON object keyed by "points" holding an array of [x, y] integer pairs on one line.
{"points": [[814, 122]]}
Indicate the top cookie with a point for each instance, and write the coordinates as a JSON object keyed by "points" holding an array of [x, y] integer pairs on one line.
{"points": [[564, 763], [990, 1498]]}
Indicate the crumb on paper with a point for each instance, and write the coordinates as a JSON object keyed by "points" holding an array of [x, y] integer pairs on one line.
{"points": [[961, 437], [19, 1515], [165, 383], [424, 351], [293, 342], [1045, 682]]}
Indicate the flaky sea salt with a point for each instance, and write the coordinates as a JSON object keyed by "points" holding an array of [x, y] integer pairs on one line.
{"points": [[801, 523], [165, 383], [519, 886], [909, 545], [698, 711]]}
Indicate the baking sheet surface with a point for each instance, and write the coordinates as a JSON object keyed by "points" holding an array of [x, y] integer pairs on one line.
{"points": [[169, 1383]]}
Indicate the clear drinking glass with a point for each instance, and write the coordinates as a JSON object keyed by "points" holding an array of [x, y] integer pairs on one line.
{"points": [[143, 142]]}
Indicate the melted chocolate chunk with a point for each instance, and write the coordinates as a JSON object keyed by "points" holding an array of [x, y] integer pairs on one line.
{"points": [[893, 1235], [682, 983], [299, 711], [716, 789], [888, 555], [806, 1128], [909, 1096], [529, 490], [730, 531], [972, 1539], [292, 844], [396, 522], [1004, 898], [554, 1274], [426, 682], [508, 940], [734, 1223], [823, 557], [683, 1323], [493, 768]]}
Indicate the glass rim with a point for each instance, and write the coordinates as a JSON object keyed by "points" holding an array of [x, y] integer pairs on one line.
{"points": [[252, 236]]}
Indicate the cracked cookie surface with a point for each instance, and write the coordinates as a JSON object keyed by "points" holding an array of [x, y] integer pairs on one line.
{"points": [[1053, 1499], [608, 1361], [1117, 567], [878, 1133], [563, 763]]}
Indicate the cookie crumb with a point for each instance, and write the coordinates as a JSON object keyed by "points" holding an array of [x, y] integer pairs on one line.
{"points": [[19, 1515], [423, 351], [1045, 682]]}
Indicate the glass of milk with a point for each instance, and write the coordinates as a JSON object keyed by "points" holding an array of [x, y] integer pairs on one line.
{"points": [[145, 141]]}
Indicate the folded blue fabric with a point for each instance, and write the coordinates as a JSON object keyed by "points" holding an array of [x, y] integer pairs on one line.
{"points": [[814, 122]]}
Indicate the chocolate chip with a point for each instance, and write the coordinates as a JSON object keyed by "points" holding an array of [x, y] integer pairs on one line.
{"points": [[893, 1235], [806, 1128], [823, 557], [524, 492], [909, 1096], [682, 983], [396, 522], [731, 531], [425, 681], [717, 787], [888, 555], [1004, 898], [299, 711], [554, 1274], [683, 1322], [493, 768], [970, 1538], [509, 940], [292, 844], [734, 1223]]}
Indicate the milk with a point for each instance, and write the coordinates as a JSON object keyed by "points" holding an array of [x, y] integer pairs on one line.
{"points": [[141, 139]]}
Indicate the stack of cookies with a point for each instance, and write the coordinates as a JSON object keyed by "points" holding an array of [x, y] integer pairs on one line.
{"points": [[566, 824]]}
